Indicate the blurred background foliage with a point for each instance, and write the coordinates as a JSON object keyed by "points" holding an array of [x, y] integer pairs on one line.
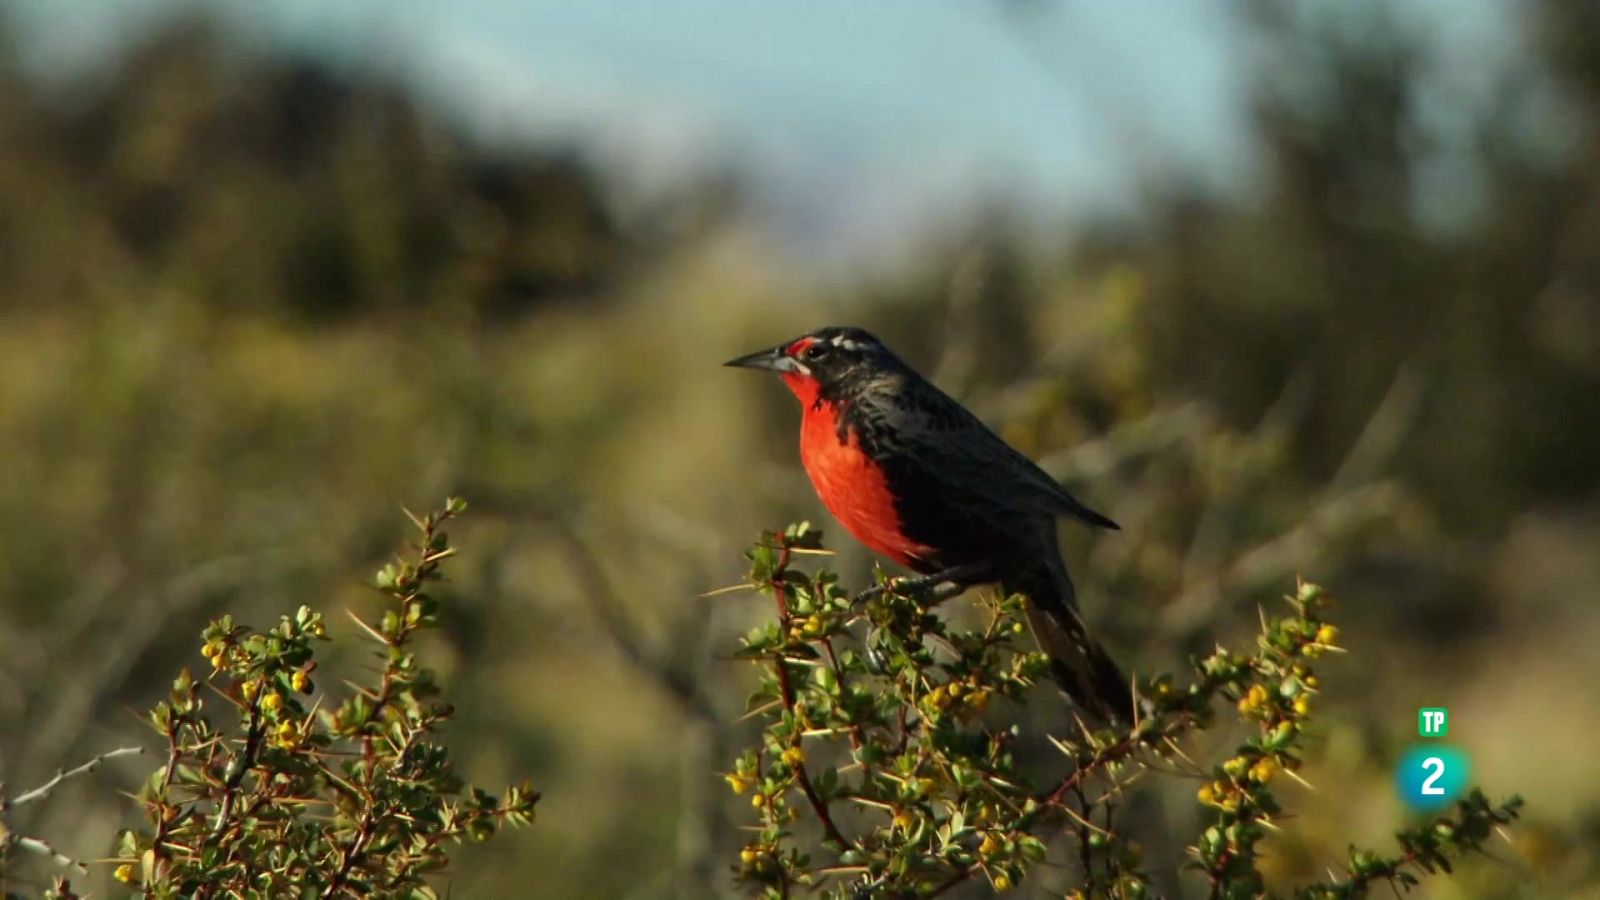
{"points": [[251, 302]]}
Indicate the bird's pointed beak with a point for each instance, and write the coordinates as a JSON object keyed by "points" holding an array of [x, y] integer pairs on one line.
{"points": [[772, 360]]}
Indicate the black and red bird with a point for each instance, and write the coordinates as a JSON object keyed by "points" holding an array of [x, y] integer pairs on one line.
{"points": [[916, 477]]}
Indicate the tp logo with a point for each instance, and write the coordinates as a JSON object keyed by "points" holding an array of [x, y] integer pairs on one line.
{"points": [[1432, 776], [1433, 721]]}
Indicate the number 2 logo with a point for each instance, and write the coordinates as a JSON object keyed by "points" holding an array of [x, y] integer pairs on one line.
{"points": [[1436, 765], [1430, 777]]}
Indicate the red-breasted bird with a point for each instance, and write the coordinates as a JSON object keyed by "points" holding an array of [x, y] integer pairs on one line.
{"points": [[919, 479]]}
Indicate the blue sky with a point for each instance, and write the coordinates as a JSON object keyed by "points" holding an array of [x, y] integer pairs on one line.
{"points": [[855, 120]]}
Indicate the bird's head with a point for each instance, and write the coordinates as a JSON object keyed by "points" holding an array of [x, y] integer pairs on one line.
{"points": [[817, 363]]}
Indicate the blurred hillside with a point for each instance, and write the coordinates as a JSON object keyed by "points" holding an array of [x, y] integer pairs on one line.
{"points": [[249, 305]]}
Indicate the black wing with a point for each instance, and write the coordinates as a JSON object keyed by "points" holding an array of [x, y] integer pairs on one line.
{"points": [[953, 473]]}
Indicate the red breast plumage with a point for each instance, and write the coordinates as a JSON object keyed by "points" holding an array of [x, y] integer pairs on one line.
{"points": [[850, 483]]}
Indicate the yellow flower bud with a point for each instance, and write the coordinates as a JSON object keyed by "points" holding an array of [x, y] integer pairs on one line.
{"points": [[126, 873], [301, 682], [1263, 771], [748, 856], [1002, 882], [904, 820], [794, 757], [989, 847], [1206, 795], [249, 690], [272, 702], [1302, 705], [739, 783], [1327, 634]]}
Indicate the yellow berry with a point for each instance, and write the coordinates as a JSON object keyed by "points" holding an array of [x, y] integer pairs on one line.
{"points": [[758, 800], [286, 735], [1206, 795], [1002, 882], [1253, 699], [126, 873], [955, 689], [1327, 634], [300, 682], [748, 856], [1302, 705], [1311, 681]]}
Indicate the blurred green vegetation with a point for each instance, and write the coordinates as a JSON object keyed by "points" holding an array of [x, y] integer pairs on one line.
{"points": [[251, 304]]}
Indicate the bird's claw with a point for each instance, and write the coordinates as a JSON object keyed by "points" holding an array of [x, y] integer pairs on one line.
{"points": [[955, 579]]}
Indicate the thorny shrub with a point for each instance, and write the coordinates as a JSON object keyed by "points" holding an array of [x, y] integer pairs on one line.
{"points": [[874, 730], [270, 788]]}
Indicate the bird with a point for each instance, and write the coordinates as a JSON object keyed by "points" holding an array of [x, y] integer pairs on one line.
{"points": [[919, 479]]}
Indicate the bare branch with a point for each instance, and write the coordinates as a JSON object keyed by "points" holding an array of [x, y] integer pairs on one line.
{"points": [[43, 790], [39, 847]]}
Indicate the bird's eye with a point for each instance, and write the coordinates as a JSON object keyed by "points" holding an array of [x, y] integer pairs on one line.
{"points": [[816, 351]]}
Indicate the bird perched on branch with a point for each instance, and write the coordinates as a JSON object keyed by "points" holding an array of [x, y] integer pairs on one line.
{"points": [[919, 479]]}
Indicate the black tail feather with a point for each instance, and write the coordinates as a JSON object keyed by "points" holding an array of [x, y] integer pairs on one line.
{"points": [[1083, 669]]}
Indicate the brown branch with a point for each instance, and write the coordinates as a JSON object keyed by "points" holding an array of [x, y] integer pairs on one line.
{"points": [[242, 765], [1052, 799], [786, 689]]}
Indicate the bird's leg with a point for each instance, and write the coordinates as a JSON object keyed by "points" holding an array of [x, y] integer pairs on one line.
{"points": [[942, 585]]}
